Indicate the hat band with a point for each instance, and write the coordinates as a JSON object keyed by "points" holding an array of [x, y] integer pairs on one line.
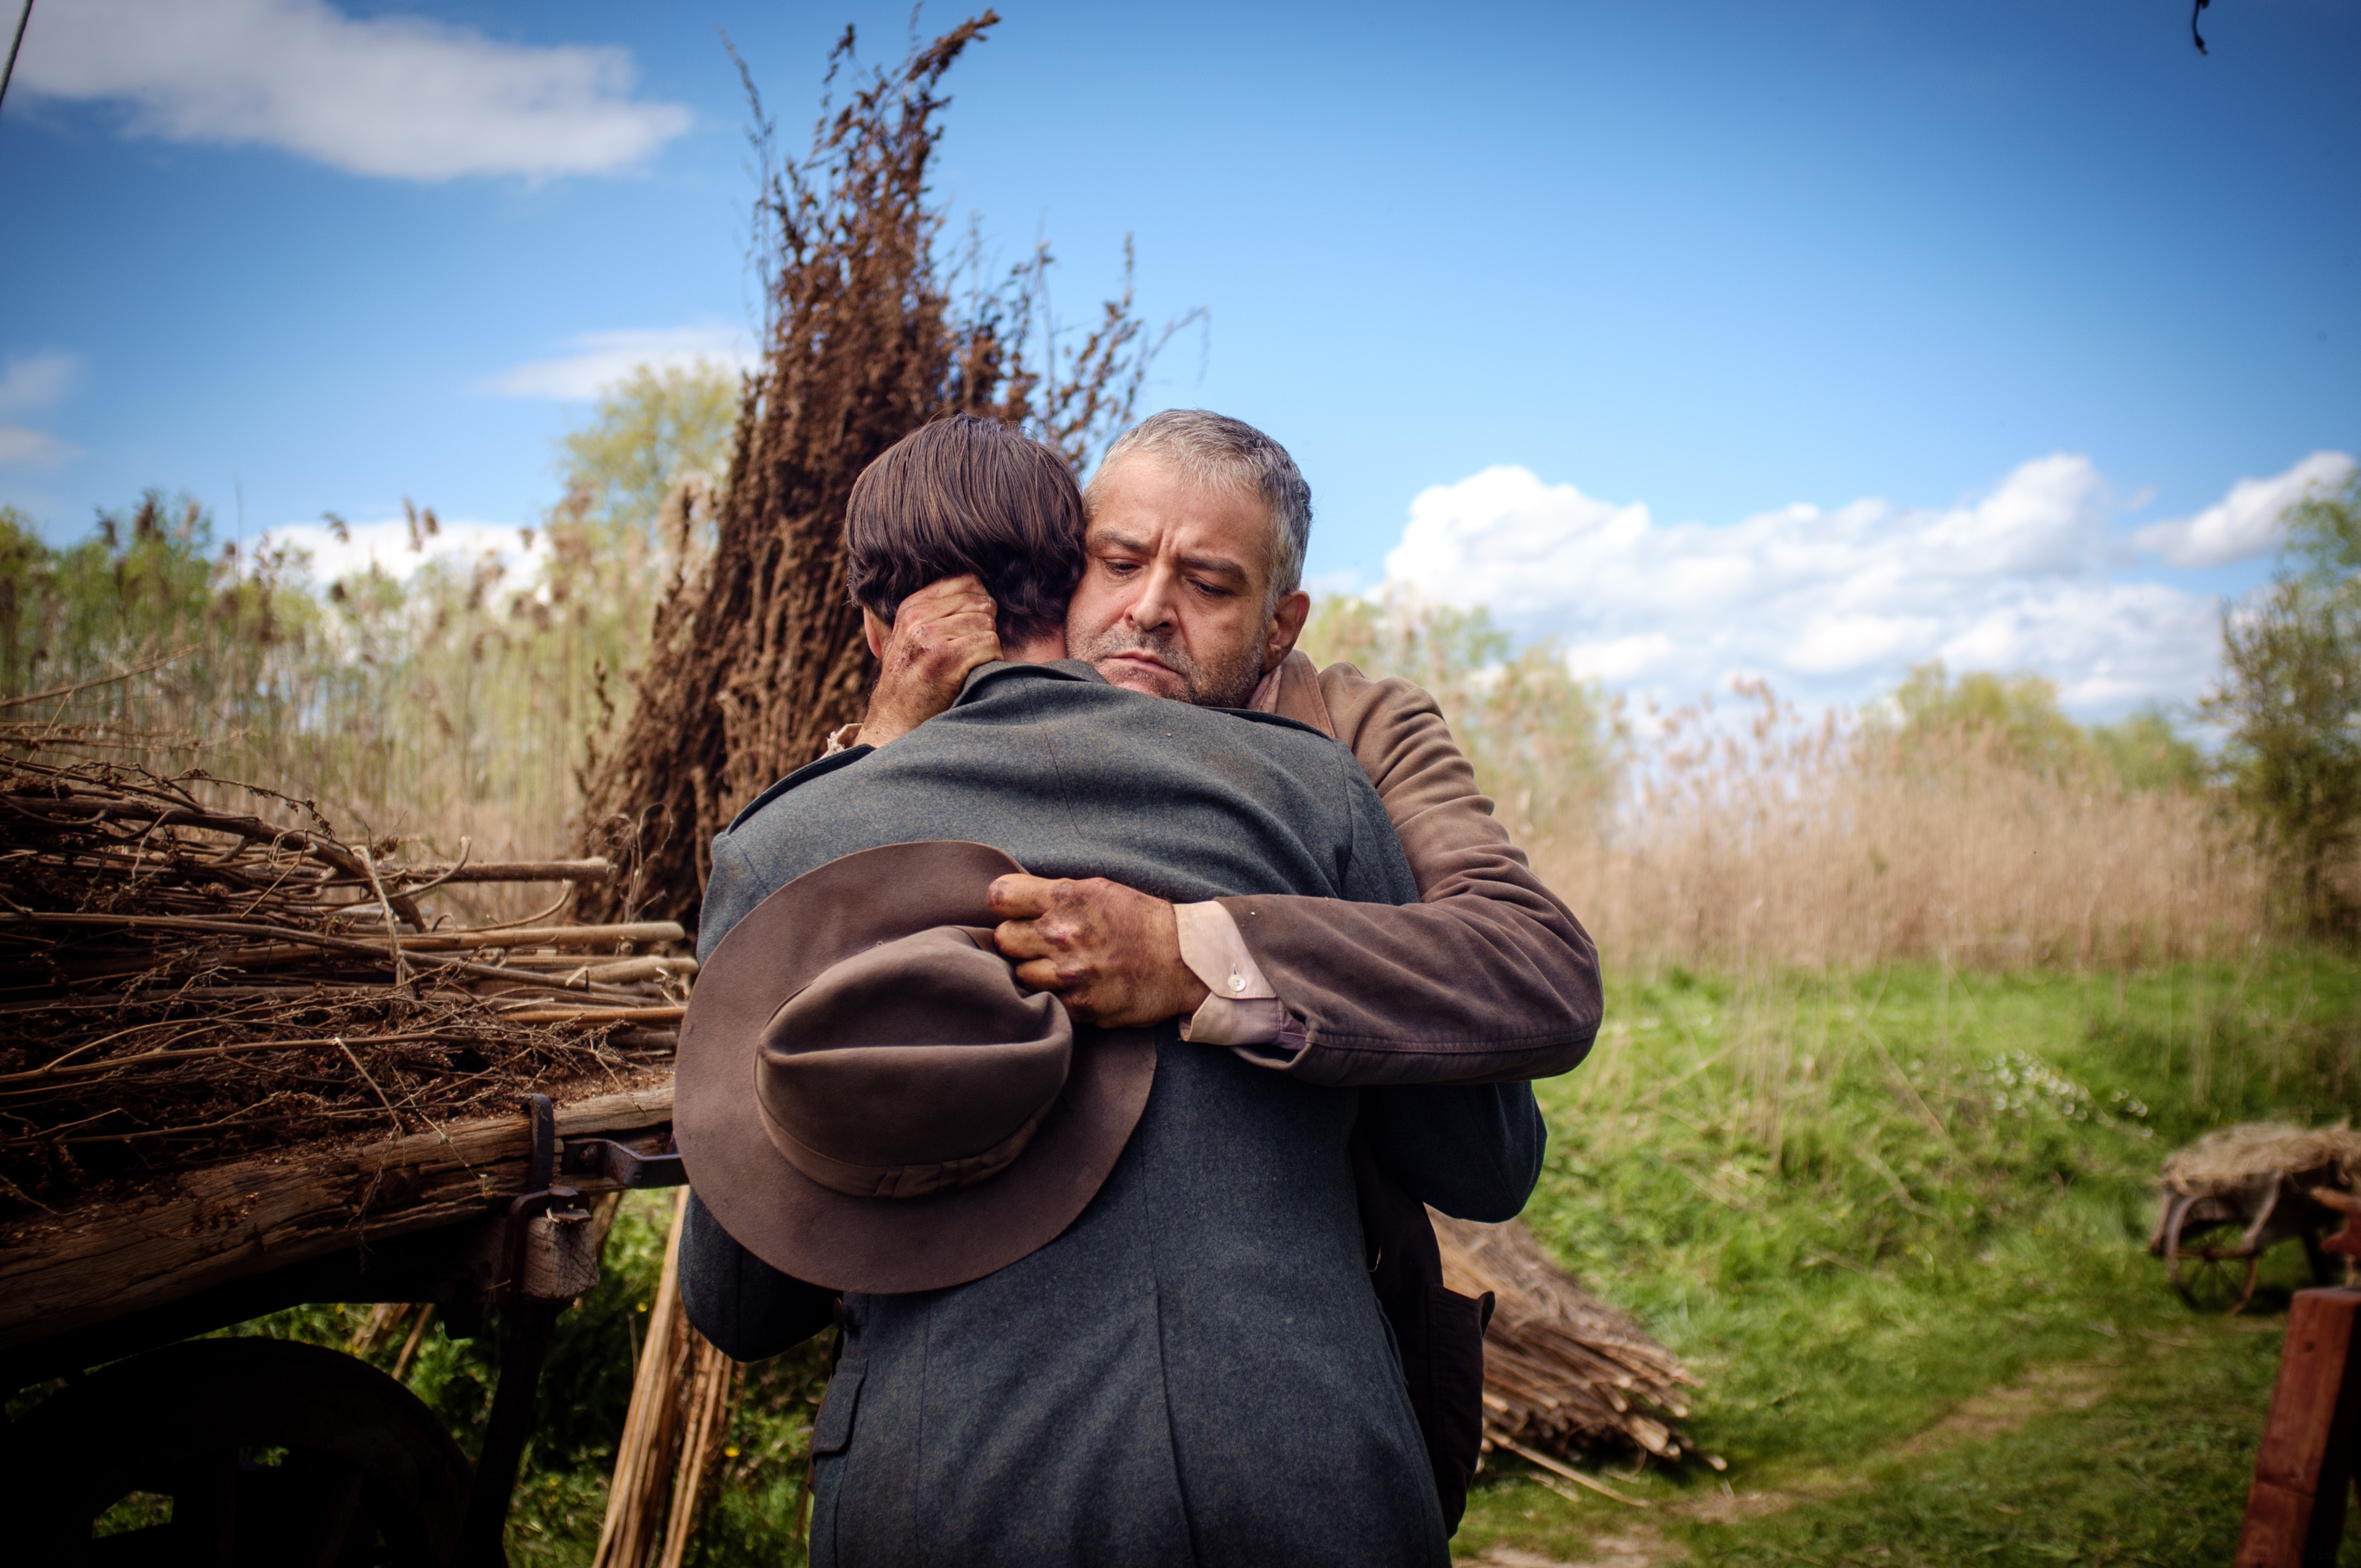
{"points": [[898, 1180]]}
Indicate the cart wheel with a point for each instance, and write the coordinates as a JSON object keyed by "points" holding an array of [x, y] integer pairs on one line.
{"points": [[271, 1453], [2214, 1283]]}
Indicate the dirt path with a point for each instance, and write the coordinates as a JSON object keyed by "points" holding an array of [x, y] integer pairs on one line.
{"points": [[2057, 1385]]}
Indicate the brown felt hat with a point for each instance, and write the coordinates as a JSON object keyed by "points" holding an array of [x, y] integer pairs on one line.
{"points": [[867, 1100]]}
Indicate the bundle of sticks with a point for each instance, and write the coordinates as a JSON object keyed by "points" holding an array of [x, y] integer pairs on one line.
{"points": [[192, 969], [1565, 1374]]}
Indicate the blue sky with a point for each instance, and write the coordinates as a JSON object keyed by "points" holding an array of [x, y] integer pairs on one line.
{"points": [[1807, 340]]}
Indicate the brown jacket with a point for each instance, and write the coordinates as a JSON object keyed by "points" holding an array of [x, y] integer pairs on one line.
{"points": [[1488, 978]]}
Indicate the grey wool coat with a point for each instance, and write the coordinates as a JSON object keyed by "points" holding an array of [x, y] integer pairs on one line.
{"points": [[1196, 1372]]}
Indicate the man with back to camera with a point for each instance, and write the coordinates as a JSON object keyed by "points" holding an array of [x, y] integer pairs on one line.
{"points": [[1224, 1511]]}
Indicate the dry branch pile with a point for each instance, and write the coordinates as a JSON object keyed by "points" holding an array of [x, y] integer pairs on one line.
{"points": [[682, 1399], [1565, 1374], [184, 980], [756, 656]]}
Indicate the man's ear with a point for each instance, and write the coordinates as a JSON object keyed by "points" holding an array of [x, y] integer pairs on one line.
{"points": [[877, 631], [1287, 621]]}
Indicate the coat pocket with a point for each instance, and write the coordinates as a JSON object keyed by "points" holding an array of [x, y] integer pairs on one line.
{"points": [[833, 1429], [1455, 1368]]}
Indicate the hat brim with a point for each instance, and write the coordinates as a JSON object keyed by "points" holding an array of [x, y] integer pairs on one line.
{"points": [[881, 1245]]}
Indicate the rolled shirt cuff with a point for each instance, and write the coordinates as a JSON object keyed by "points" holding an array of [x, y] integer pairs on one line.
{"points": [[1242, 1007], [1219, 1023]]}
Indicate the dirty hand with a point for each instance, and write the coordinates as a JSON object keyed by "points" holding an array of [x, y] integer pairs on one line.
{"points": [[1110, 953], [939, 634]]}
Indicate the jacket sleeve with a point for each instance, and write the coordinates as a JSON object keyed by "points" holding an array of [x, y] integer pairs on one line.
{"points": [[744, 1306], [1473, 1150], [1489, 978], [730, 890]]}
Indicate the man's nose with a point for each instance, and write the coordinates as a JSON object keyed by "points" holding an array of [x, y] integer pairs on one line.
{"points": [[1152, 610]]}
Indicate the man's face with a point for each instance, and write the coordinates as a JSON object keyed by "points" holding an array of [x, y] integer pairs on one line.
{"points": [[1176, 599]]}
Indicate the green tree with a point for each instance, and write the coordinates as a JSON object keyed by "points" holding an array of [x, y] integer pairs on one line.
{"points": [[1547, 747], [2291, 695], [149, 582], [643, 477], [2149, 751], [2019, 712], [651, 431]]}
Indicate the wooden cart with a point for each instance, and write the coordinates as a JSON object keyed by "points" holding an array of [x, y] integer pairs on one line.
{"points": [[2219, 1212], [278, 1452]]}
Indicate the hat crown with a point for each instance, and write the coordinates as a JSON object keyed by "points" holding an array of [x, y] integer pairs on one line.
{"points": [[916, 1066], [882, 1238]]}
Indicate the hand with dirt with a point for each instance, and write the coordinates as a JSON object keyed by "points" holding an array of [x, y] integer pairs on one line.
{"points": [[1111, 954], [939, 634]]}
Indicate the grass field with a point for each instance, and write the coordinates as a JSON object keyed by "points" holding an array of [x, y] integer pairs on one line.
{"points": [[1894, 1220]]}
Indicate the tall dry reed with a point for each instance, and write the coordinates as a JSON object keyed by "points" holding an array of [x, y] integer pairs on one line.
{"points": [[1765, 840]]}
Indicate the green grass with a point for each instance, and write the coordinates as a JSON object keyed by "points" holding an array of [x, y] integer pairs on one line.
{"points": [[1854, 1204]]}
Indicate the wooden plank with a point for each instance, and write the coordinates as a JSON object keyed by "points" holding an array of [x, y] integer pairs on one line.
{"points": [[2295, 1511], [589, 1015], [88, 1265], [500, 870], [546, 937], [439, 942]]}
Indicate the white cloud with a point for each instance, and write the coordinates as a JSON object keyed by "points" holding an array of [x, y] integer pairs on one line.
{"points": [[29, 382], [1834, 643], [385, 543], [1617, 659], [1832, 606], [2246, 522], [394, 96], [601, 358], [33, 449]]}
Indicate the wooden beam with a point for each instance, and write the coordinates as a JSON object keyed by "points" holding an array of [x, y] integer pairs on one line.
{"points": [[546, 937], [2295, 1512], [592, 871], [438, 942], [86, 1265]]}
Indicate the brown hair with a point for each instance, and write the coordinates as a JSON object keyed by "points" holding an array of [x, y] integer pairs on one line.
{"points": [[963, 495]]}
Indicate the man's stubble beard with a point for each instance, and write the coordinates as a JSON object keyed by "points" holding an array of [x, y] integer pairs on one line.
{"points": [[1223, 683]]}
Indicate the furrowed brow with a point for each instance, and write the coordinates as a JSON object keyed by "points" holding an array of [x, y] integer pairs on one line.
{"points": [[1214, 566]]}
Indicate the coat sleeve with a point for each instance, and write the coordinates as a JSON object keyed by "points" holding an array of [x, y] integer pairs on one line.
{"points": [[1489, 978], [730, 890], [743, 1305], [1473, 1150]]}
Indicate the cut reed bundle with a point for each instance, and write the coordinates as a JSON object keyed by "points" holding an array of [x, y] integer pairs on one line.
{"points": [[1565, 1374], [192, 969], [2254, 1155], [682, 1399]]}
